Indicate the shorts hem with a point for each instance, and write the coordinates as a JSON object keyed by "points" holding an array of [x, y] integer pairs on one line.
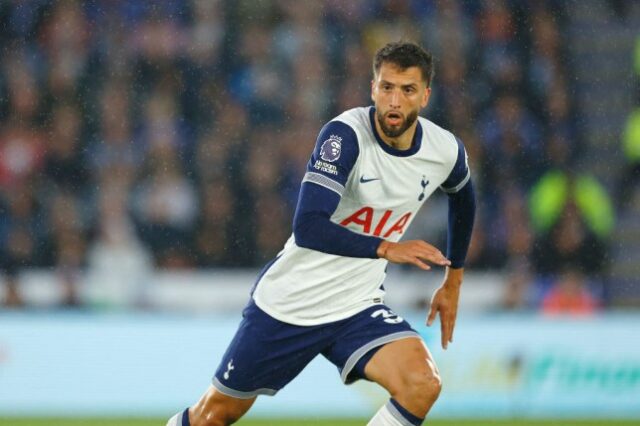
{"points": [[361, 351], [240, 394]]}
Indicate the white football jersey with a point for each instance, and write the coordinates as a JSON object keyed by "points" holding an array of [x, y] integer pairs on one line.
{"points": [[380, 196]]}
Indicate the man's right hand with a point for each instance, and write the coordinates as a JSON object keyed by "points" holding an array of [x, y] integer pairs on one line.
{"points": [[415, 252]]}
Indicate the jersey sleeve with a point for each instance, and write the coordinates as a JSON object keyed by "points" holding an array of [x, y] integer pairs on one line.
{"points": [[333, 158], [460, 174], [313, 228], [462, 207], [335, 153]]}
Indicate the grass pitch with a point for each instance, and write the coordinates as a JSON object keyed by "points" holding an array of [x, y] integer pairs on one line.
{"points": [[324, 422]]}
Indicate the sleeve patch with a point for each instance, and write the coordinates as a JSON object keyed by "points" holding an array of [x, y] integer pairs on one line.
{"points": [[331, 148], [335, 152]]}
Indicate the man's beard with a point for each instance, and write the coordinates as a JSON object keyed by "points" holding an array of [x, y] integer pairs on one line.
{"points": [[395, 132]]}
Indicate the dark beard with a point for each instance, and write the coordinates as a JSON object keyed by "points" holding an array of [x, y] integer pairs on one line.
{"points": [[394, 133]]}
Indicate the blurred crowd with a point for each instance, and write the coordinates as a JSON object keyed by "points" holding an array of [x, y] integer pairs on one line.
{"points": [[175, 133]]}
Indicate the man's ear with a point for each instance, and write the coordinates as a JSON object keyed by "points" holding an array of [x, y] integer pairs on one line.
{"points": [[425, 97], [373, 85]]}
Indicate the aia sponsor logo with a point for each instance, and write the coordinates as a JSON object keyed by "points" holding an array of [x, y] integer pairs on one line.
{"points": [[377, 226]]}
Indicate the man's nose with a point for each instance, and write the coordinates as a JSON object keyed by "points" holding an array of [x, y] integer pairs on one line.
{"points": [[395, 99]]}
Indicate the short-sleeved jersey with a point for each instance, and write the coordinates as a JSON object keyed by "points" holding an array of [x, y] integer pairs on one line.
{"points": [[381, 190]]}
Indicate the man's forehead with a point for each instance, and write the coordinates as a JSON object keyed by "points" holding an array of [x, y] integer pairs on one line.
{"points": [[394, 74]]}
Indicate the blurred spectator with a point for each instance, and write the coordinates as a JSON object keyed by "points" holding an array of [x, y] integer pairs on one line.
{"points": [[272, 226], [71, 250], [68, 230], [12, 298], [354, 89], [513, 143], [166, 208], [570, 242], [636, 57], [483, 253], [65, 164], [519, 237], [255, 81], [575, 194], [294, 159], [22, 148], [161, 129], [214, 245], [117, 262], [630, 175], [24, 240], [496, 29], [570, 296], [112, 151], [64, 39], [156, 44], [518, 286], [573, 219]]}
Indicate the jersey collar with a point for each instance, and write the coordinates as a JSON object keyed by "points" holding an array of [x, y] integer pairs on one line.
{"points": [[415, 143]]}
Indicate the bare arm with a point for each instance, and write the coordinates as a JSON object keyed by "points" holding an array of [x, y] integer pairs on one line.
{"points": [[415, 252], [445, 302], [445, 298]]}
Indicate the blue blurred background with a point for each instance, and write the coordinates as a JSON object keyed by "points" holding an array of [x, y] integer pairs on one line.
{"points": [[151, 155]]}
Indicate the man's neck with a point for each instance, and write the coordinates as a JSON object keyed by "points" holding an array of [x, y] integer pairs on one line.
{"points": [[402, 142]]}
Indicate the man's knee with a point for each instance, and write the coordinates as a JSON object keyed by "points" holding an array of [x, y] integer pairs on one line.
{"points": [[216, 409], [216, 416], [220, 414], [423, 387]]}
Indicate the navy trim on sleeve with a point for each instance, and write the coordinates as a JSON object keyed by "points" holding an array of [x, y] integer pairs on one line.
{"points": [[460, 173], [313, 229], [462, 208]]}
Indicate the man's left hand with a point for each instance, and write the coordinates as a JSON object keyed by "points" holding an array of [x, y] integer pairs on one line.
{"points": [[445, 302]]}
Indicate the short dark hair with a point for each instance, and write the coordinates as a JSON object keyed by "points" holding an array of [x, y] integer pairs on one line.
{"points": [[405, 54]]}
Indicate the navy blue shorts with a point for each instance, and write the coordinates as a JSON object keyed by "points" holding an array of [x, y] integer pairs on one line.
{"points": [[266, 354]]}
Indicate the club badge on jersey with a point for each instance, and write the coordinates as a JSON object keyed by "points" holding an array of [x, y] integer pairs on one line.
{"points": [[424, 182]]}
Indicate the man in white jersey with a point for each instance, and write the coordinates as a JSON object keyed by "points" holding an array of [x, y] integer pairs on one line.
{"points": [[371, 170]]}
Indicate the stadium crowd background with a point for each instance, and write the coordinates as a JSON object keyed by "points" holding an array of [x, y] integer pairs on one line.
{"points": [[176, 133]]}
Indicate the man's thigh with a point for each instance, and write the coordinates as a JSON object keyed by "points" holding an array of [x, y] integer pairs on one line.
{"points": [[265, 354], [360, 337], [214, 404]]}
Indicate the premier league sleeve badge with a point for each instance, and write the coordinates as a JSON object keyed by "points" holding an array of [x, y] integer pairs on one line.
{"points": [[330, 149]]}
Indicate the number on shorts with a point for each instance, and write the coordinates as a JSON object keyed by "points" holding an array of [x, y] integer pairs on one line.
{"points": [[388, 316]]}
